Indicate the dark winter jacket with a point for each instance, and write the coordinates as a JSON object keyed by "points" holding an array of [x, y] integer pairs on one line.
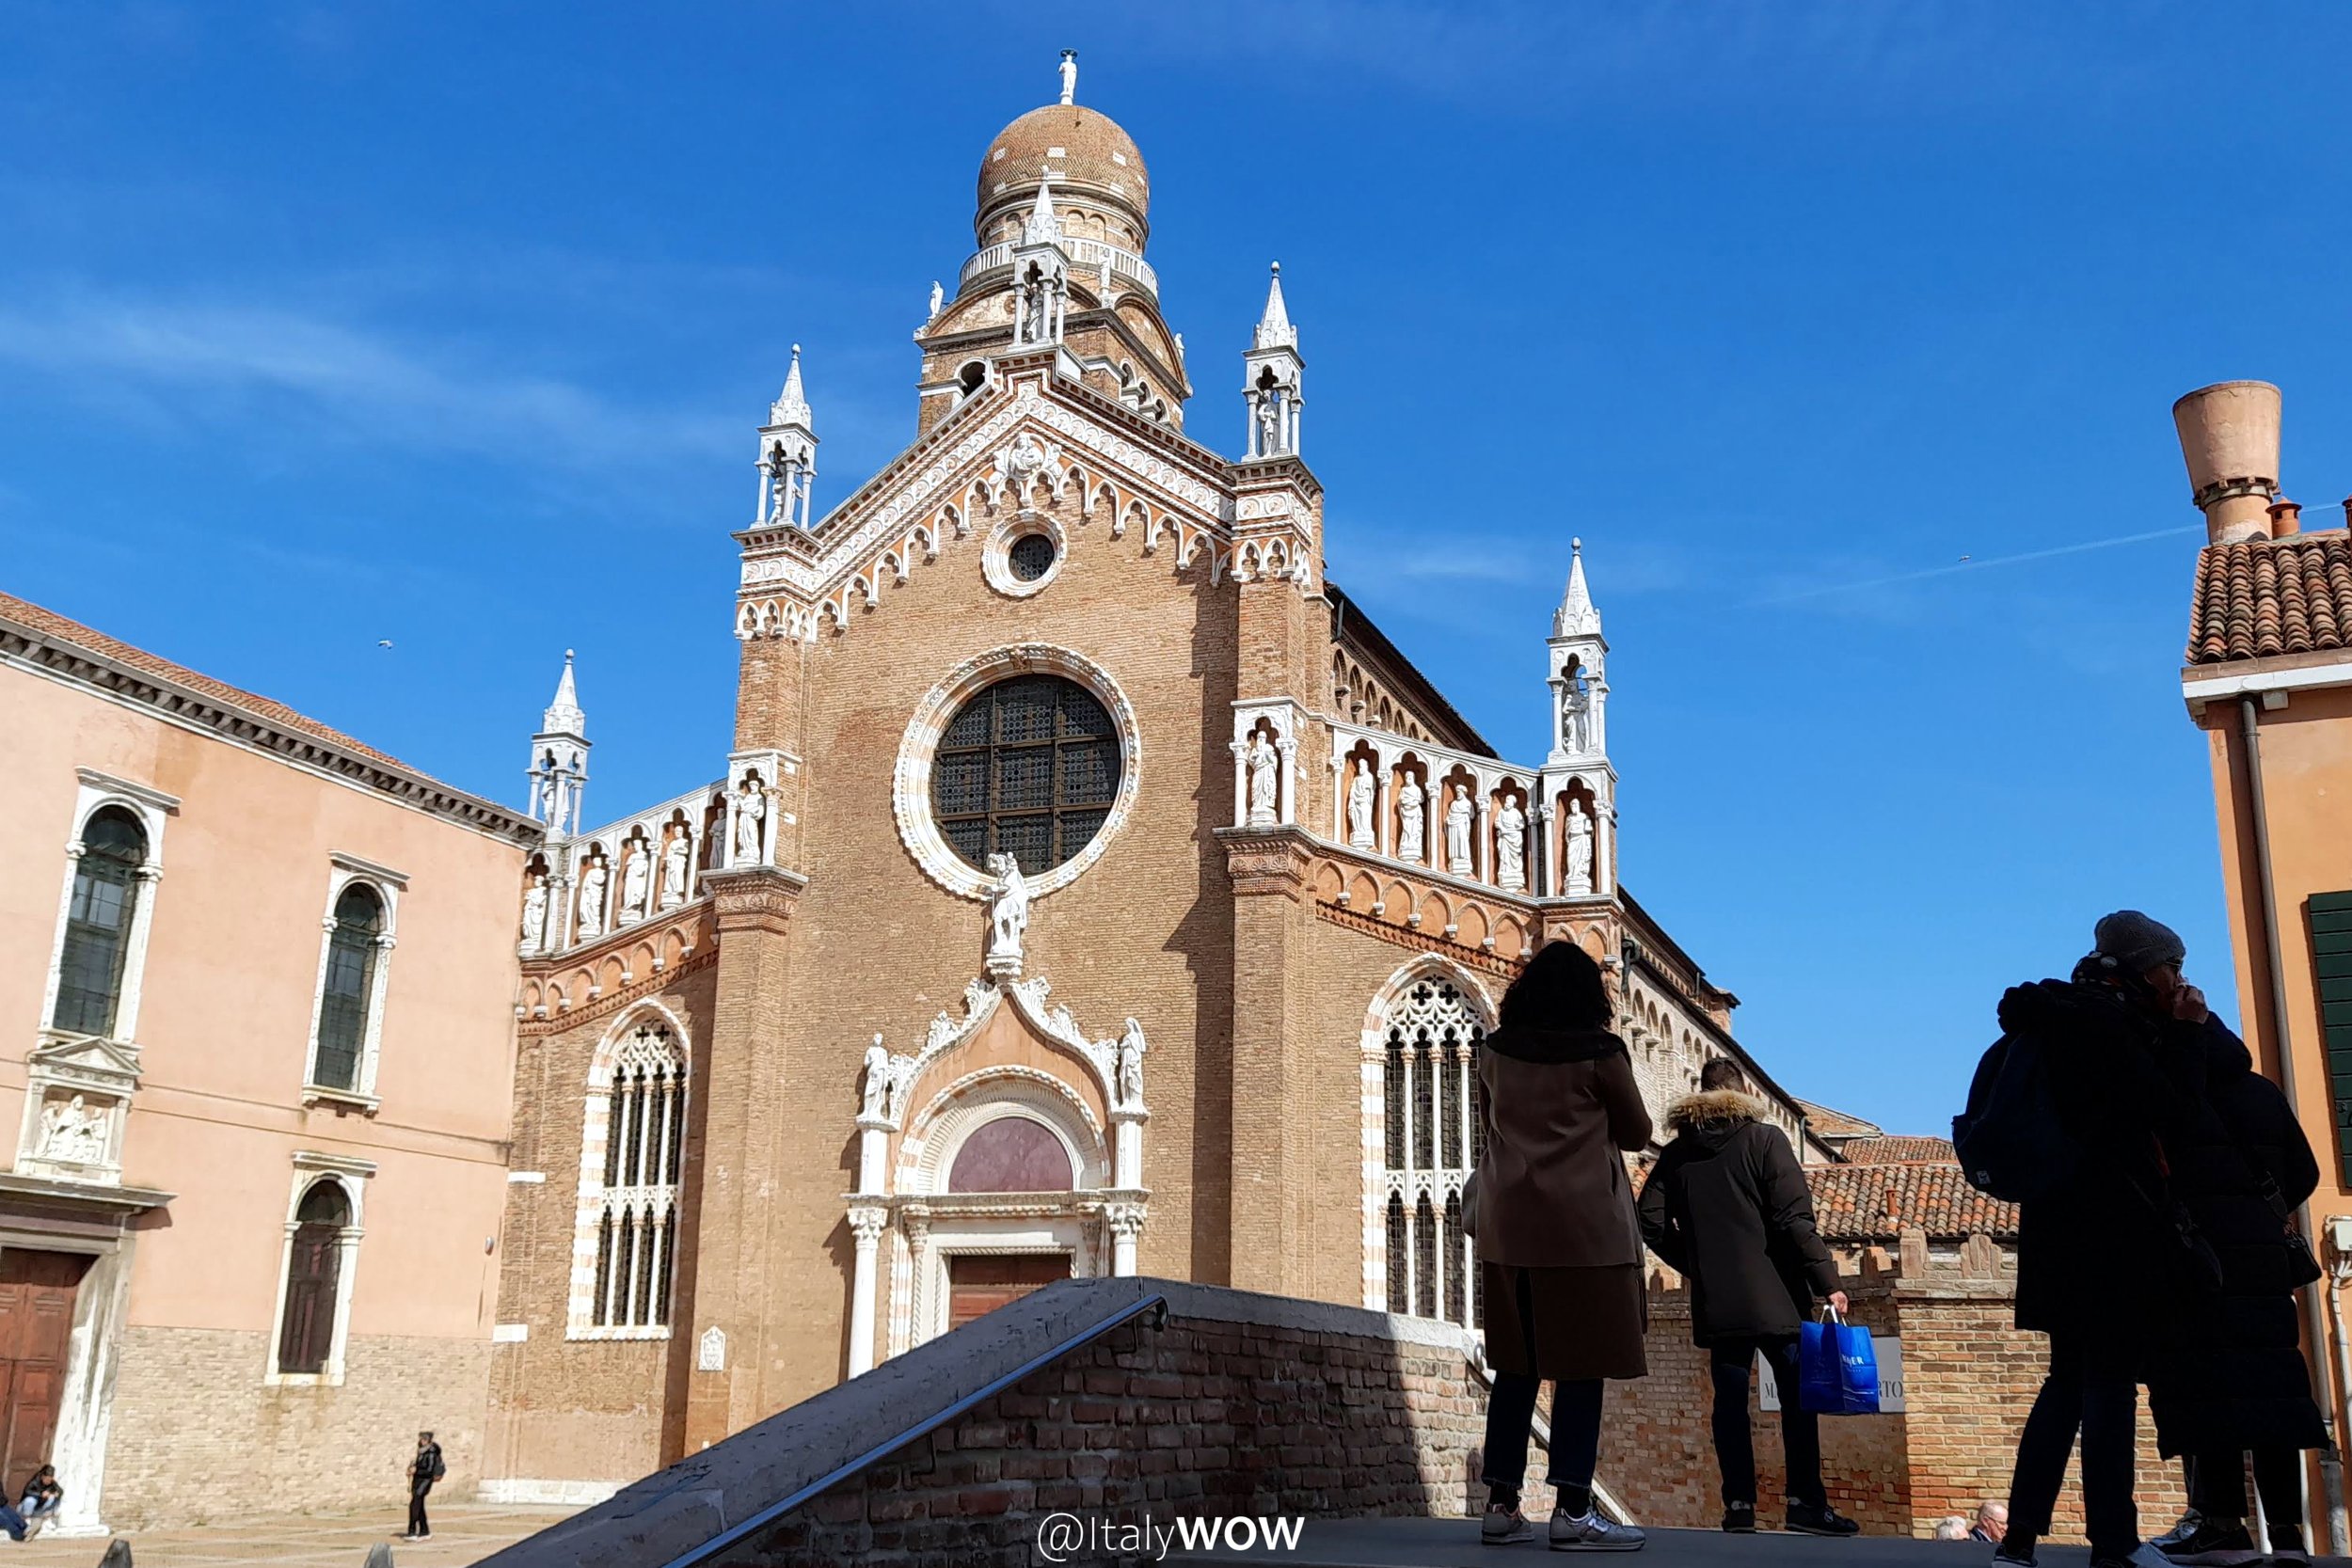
{"points": [[1562, 1111], [2101, 1257], [2232, 1375], [1728, 1207]]}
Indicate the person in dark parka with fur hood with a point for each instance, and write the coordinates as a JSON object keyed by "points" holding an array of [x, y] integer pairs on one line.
{"points": [[1728, 1207]]}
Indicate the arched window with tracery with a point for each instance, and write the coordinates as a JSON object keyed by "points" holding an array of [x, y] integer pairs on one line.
{"points": [[98, 923], [1433, 1133], [631, 1155]]}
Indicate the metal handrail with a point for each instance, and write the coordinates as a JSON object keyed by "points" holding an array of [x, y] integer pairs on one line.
{"points": [[1156, 1304], [1603, 1499]]}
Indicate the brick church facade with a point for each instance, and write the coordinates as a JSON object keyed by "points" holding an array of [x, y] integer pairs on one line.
{"points": [[1091, 888]]}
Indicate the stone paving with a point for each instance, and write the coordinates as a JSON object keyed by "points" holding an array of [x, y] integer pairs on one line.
{"points": [[463, 1533]]}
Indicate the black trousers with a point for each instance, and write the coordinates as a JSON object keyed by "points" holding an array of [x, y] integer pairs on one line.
{"points": [[1728, 1361], [416, 1522], [2216, 1487], [1575, 1437], [2093, 1389]]}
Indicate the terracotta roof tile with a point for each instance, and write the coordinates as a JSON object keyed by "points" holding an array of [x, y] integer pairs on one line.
{"points": [[1877, 1202], [49, 625], [2272, 597], [1895, 1148]]}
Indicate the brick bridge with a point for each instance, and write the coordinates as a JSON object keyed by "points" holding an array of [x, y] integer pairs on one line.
{"points": [[1121, 1401]]}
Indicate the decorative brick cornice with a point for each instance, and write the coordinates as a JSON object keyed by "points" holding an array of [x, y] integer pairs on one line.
{"points": [[1265, 861], [1407, 937], [605, 1005], [755, 898]]}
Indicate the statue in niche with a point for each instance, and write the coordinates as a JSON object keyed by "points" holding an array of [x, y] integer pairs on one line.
{"points": [[536, 912], [71, 1131], [674, 868], [1131, 1065], [751, 809], [1576, 715], [592, 883], [1007, 914], [1459, 814], [876, 1100], [1265, 426], [1410, 817], [1265, 765], [636, 880], [1360, 792], [1580, 849], [1510, 847]]}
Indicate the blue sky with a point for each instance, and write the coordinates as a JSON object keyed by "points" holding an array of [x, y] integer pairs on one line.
{"points": [[325, 324]]}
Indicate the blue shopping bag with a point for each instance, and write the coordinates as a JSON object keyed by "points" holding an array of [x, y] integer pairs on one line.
{"points": [[1838, 1369]]}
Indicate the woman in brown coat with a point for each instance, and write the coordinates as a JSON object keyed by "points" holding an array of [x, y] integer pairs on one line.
{"points": [[1559, 1246]]}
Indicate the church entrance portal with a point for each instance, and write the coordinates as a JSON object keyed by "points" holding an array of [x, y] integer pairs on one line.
{"points": [[981, 1282], [36, 1290]]}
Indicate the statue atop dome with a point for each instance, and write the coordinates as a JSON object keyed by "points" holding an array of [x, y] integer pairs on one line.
{"points": [[1070, 75]]}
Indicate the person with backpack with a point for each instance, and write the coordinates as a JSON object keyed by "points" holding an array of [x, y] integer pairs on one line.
{"points": [[2230, 1377], [1559, 1246], [424, 1470], [1727, 1207], [2066, 1117]]}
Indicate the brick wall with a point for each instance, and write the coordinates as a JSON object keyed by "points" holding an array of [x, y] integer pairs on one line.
{"points": [[197, 1436]]}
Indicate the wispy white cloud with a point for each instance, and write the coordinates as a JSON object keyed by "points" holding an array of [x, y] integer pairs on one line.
{"points": [[190, 360]]}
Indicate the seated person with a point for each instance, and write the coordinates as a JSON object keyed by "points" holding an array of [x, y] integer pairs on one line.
{"points": [[44, 1496]]}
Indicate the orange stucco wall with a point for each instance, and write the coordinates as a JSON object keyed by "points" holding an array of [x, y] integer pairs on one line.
{"points": [[2307, 780], [224, 1023]]}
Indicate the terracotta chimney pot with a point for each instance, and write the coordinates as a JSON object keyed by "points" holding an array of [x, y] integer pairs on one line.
{"points": [[2230, 440], [2286, 518]]}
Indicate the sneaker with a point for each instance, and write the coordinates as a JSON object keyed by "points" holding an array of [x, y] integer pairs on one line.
{"points": [[1805, 1519], [1590, 1532], [2191, 1521], [1739, 1518], [1500, 1526], [2211, 1535]]}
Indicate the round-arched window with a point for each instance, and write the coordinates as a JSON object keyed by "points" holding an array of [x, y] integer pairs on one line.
{"points": [[1030, 556], [1027, 767]]}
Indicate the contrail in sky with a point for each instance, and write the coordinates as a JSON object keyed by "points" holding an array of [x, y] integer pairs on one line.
{"points": [[1981, 565]]}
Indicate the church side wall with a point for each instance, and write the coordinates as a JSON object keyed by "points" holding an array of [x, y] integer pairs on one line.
{"points": [[879, 948], [569, 1418]]}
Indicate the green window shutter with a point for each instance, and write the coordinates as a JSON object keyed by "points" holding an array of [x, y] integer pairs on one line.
{"points": [[2331, 916]]}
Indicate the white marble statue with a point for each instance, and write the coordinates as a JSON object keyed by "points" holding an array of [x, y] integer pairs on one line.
{"points": [[1007, 914], [592, 883], [1575, 717], [1580, 850], [536, 912], [1459, 814], [636, 881], [71, 1131], [1070, 75], [751, 809], [1511, 847], [939, 297], [1264, 782], [1411, 801], [675, 868], [1360, 792], [1265, 427], [1131, 1065], [877, 1100]]}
